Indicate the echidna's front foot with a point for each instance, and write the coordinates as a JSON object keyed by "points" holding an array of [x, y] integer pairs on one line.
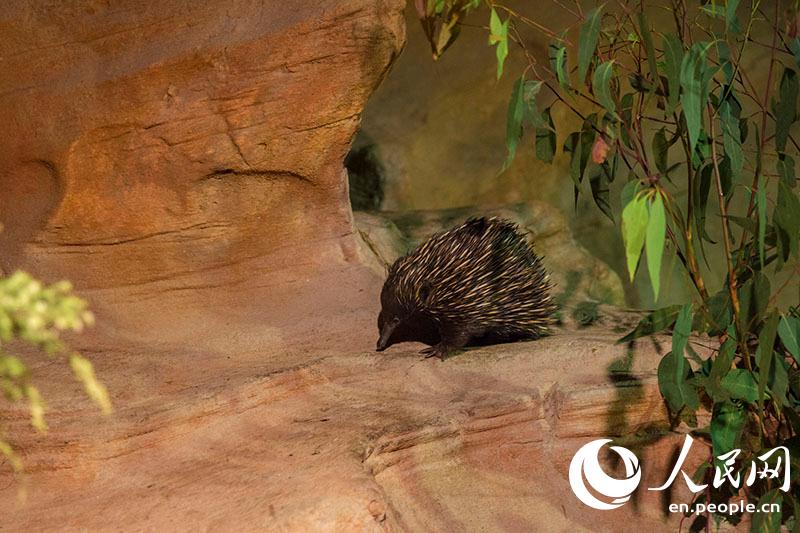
{"points": [[438, 350]]}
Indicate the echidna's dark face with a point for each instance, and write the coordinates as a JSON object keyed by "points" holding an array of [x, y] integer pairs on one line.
{"points": [[391, 320], [397, 323]]}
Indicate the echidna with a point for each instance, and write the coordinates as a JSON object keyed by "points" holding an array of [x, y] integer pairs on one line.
{"points": [[478, 283]]}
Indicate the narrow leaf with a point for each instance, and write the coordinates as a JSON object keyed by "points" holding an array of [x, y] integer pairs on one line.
{"points": [[660, 150], [84, 372], [649, 49], [789, 332], [761, 206], [546, 138], [656, 233], [531, 114], [587, 42], [727, 422], [732, 139], [764, 359], [683, 327], [786, 108], [794, 45], [731, 22], [673, 382], [561, 67], [657, 321], [673, 58], [767, 520], [740, 385], [601, 83], [514, 116], [634, 230], [693, 74], [498, 36]]}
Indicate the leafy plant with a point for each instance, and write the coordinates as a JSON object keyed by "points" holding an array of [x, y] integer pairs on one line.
{"points": [[36, 314], [709, 104]]}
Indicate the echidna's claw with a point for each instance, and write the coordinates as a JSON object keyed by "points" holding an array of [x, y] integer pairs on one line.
{"points": [[434, 351]]}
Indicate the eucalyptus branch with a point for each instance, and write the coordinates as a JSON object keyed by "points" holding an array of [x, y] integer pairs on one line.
{"points": [[724, 220]]}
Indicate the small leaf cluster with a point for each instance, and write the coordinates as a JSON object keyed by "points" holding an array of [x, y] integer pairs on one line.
{"points": [[37, 314]]}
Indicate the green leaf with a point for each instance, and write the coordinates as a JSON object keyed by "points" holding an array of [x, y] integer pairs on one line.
{"points": [[13, 459], [786, 218], [495, 27], [516, 109], [546, 138], [732, 138], [724, 53], [84, 372], [634, 229], [794, 45], [657, 321], [447, 34], [740, 385], [649, 49], [601, 83], [764, 359], [779, 381], [702, 185], [629, 191], [572, 145], [761, 207], [560, 64], [656, 234], [587, 41], [531, 114], [731, 21], [789, 332], [768, 522], [727, 422], [753, 299], [719, 307], [498, 36], [36, 407], [786, 108], [713, 9], [673, 59], [720, 367], [599, 180], [747, 224], [674, 382], [579, 145], [682, 330], [727, 12], [785, 167], [660, 150], [693, 94]]}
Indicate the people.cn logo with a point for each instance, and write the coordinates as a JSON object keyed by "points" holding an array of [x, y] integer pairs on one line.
{"points": [[585, 469]]}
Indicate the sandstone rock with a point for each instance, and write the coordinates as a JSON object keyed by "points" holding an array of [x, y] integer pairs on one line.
{"points": [[358, 441], [162, 146]]}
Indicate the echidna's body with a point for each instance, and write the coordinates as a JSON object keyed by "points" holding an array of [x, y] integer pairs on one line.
{"points": [[478, 283]]}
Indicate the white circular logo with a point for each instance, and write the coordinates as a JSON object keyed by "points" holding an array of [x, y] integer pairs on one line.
{"points": [[586, 465]]}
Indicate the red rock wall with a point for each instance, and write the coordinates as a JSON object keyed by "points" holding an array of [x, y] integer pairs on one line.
{"points": [[183, 142]]}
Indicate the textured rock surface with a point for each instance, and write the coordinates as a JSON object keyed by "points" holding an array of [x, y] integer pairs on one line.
{"points": [[164, 146], [351, 441]]}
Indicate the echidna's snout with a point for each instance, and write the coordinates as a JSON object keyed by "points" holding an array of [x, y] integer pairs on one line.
{"points": [[386, 334]]}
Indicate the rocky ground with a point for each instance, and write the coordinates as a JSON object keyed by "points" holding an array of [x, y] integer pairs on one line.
{"points": [[330, 435]]}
